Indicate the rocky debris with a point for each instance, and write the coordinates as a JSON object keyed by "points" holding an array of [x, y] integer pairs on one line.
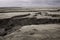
{"points": [[2, 32], [1, 38], [46, 14]]}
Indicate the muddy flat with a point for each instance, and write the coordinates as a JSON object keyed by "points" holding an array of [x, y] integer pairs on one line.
{"points": [[36, 32]]}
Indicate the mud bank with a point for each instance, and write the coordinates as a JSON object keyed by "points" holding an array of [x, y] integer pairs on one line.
{"points": [[9, 23]]}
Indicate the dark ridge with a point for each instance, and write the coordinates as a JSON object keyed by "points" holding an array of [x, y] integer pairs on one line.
{"points": [[9, 23], [21, 16], [53, 15], [32, 21]]}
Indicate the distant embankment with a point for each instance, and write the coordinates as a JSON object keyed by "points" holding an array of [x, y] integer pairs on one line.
{"points": [[20, 9]]}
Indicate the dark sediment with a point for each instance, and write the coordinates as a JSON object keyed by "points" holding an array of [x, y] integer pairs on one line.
{"points": [[9, 23]]}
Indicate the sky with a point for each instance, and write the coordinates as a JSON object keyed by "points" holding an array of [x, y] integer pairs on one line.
{"points": [[27, 3]]}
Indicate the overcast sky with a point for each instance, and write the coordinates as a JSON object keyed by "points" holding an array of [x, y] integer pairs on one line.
{"points": [[19, 3]]}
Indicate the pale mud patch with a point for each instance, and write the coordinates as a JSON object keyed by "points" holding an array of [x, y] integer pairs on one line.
{"points": [[36, 32], [40, 27]]}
